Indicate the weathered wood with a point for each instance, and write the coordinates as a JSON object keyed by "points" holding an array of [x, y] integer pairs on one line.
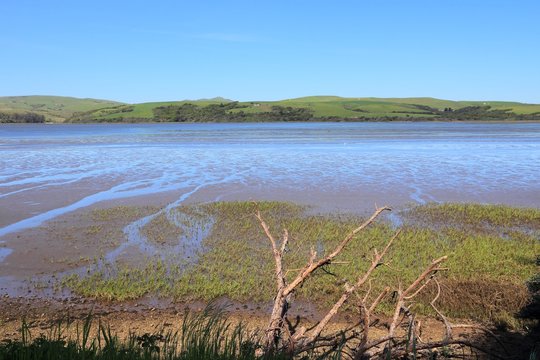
{"points": [[354, 339]]}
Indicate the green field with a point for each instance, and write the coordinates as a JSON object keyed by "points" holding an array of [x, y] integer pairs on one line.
{"points": [[60, 109]]}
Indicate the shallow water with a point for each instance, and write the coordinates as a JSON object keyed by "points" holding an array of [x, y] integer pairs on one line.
{"points": [[50, 170]]}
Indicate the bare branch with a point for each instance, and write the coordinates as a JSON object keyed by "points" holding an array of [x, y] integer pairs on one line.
{"points": [[440, 344], [379, 298], [280, 307], [434, 266], [364, 300], [361, 280], [426, 283], [352, 340], [312, 265], [402, 295], [284, 242], [447, 325], [267, 231], [365, 313]]}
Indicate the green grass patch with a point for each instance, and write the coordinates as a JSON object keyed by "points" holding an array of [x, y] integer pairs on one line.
{"points": [[236, 259], [120, 213], [499, 218], [160, 230]]}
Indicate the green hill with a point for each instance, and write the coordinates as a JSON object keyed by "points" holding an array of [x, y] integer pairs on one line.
{"points": [[311, 108], [377, 107], [54, 108], [316, 108]]}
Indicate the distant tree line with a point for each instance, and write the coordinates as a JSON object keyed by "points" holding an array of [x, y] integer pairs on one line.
{"points": [[472, 113], [27, 117], [236, 112], [229, 112], [484, 113], [104, 115]]}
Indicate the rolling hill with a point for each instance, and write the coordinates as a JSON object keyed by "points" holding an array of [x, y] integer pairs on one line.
{"points": [[312, 108], [349, 107], [54, 108]]}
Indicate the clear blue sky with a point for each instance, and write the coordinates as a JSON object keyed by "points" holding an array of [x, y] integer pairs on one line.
{"points": [[137, 51]]}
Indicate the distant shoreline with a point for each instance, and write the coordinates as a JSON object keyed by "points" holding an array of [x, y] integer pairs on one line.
{"points": [[294, 122], [286, 122], [306, 109]]}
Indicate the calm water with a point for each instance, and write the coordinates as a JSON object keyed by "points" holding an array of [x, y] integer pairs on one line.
{"points": [[49, 170]]}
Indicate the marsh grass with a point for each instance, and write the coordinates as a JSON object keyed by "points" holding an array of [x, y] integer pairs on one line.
{"points": [[106, 225], [161, 231], [208, 335], [477, 217], [120, 213], [485, 281]]}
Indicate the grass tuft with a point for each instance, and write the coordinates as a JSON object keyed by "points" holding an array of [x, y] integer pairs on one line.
{"points": [[208, 335]]}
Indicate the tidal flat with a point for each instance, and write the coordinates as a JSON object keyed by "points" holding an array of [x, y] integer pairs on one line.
{"points": [[130, 217], [50, 170], [204, 251]]}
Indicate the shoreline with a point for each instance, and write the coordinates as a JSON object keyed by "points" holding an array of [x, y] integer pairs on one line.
{"points": [[125, 318], [344, 121], [19, 243]]}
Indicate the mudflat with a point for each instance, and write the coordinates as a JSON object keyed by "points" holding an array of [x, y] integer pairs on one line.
{"points": [[94, 214]]}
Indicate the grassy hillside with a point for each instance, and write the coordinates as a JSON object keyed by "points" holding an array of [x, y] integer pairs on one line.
{"points": [[316, 108], [145, 110], [54, 108], [350, 107], [60, 109], [516, 107]]}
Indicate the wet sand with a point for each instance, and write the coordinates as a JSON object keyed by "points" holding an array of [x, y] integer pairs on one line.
{"points": [[73, 239]]}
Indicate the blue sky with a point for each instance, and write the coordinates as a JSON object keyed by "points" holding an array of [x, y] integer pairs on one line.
{"points": [[137, 51]]}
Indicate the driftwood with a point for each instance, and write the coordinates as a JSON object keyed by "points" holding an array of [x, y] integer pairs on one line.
{"points": [[355, 341]]}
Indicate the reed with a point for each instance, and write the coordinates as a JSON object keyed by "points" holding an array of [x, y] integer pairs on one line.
{"points": [[208, 335]]}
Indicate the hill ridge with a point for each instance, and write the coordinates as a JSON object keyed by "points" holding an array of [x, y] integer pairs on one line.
{"points": [[308, 108]]}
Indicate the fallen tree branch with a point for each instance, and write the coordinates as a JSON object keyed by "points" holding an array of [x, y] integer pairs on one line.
{"points": [[355, 341], [281, 302]]}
